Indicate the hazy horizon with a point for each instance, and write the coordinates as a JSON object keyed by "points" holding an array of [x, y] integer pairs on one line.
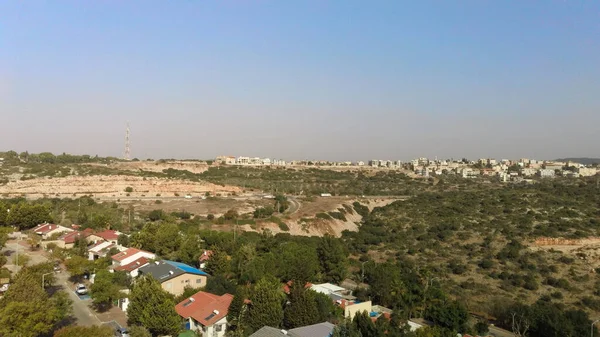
{"points": [[301, 79]]}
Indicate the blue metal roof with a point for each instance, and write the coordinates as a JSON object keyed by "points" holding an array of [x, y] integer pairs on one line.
{"points": [[186, 268]]}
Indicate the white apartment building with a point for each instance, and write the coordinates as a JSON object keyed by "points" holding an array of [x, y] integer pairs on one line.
{"points": [[547, 173], [528, 172], [587, 171], [242, 160]]}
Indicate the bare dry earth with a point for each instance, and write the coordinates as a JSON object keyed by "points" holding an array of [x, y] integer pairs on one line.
{"points": [[109, 186], [303, 222], [156, 166], [587, 249]]}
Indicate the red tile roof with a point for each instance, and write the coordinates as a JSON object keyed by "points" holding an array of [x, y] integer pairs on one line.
{"points": [[108, 235], [72, 236], [44, 228], [205, 256], [142, 261], [204, 307], [125, 254]]}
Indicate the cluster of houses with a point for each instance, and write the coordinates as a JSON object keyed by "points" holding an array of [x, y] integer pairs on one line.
{"points": [[203, 312], [507, 170]]}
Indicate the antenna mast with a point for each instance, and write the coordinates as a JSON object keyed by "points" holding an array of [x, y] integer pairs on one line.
{"points": [[127, 155]]}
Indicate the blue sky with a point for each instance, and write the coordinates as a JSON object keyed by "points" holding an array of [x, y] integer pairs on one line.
{"points": [[339, 80]]}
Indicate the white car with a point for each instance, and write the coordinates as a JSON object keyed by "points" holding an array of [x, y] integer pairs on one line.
{"points": [[81, 289]]}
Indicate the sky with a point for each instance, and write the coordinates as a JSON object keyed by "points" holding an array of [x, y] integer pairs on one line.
{"points": [[310, 79]]}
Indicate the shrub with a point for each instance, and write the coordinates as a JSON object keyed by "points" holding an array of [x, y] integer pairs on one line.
{"points": [[337, 215], [128, 189], [323, 216]]}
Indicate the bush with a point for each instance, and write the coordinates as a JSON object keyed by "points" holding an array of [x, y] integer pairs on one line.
{"points": [[128, 189], [323, 216], [210, 217], [337, 215]]}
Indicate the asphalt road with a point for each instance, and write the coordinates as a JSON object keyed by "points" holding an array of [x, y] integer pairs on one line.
{"points": [[82, 313]]}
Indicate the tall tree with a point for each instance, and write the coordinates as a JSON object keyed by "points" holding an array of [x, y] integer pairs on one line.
{"points": [[26, 309], [104, 290], [302, 307], [333, 259], [266, 304], [218, 264], [190, 250], [237, 309], [153, 308]]}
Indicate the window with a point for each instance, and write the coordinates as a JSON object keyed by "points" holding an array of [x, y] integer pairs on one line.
{"points": [[219, 327], [199, 281]]}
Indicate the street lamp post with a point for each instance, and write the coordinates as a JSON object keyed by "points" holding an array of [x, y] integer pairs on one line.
{"points": [[43, 278]]}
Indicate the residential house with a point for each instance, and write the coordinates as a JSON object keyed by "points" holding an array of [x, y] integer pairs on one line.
{"points": [[47, 230], [133, 267], [343, 298], [205, 313], [108, 235], [203, 259], [68, 240], [324, 329], [174, 276], [130, 255], [100, 249]]}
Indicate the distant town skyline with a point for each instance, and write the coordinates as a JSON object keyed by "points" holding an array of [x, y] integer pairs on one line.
{"points": [[302, 79]]}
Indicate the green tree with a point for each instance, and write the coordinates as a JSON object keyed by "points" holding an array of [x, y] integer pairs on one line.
{"points": [[266, 307], [235, 315], [153, 308], [218, 263], [26, 309], [333, 259], [123, 240], [297, 262], [104, 290], [187, 293], [190, 250], [78, 266], [281, 203], [449, 314], [219, 285], [139, 331], [168, 239], [26, 215], [87, 331], [302, 307]]}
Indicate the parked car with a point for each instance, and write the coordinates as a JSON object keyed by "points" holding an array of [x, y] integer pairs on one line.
{"points": [[81, 289], [122, 332]]}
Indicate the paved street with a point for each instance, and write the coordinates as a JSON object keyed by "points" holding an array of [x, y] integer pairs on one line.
{"points": [[83, 314]]}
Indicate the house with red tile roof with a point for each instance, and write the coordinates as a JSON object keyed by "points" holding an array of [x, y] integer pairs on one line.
{"points": [[204, 258], [205, 313], [68, 240], [46, 230], [130, 255], [132, 268], [108, 235]]}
